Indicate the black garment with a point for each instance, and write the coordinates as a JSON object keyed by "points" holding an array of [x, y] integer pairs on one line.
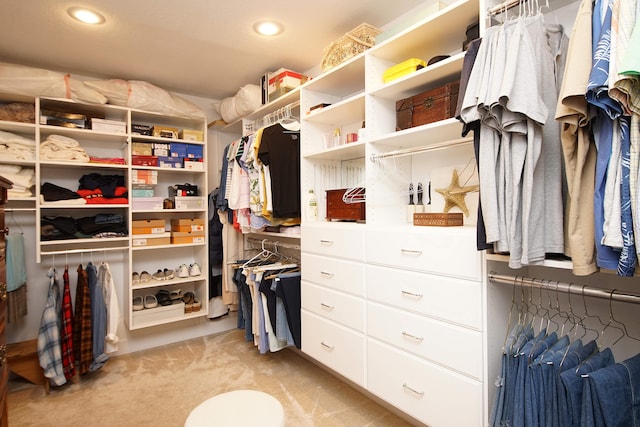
{"points": [[280, 150], [58, 227], [215, 230], [90, 226], [288, 289], [265, 288], [106, 183], [52, 193]]}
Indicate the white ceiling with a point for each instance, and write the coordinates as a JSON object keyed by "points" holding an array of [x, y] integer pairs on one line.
{"points": [[204, 48]]}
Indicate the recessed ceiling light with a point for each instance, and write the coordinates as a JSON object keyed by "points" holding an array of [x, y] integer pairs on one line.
{"points": [[267, 28], [87, 16]]}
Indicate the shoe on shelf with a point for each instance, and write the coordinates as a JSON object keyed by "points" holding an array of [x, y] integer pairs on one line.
{"points": [[158, 275], [194, 269], [196, 305], [150, 301], [138, 304], [145, 277], [135, 278], [168, 274], [182, 271], [164, 297], [175, 294], [188, 298]]}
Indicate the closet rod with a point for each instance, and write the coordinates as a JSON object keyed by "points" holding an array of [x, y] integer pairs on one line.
{"points": [[423, 149], [504, 6], [572, 288], [81, 251], [275, 244]]}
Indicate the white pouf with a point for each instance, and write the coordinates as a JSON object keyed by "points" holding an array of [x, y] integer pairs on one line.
{"points": [[246, 408]]}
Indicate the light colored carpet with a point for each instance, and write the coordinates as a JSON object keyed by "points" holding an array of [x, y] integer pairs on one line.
{"points": [[159, 387]]}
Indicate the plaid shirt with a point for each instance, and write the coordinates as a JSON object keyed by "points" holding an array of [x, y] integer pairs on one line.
{"points": [[49, 353], [82, 332], [68, 362]]}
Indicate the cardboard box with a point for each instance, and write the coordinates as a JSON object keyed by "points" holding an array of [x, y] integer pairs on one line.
{"points": [[191, 135], [112, 126], [178, 237], [283, 81], [184, 225], [195, 203], [195, 151], [142, 149], [178, 149], [137, 160], [151, 239], [170, 162], [146, 203], [142, 191], [140, 129], [148, 226], [161, 149], [145, 177], [193, 164], [158, 314], [165, 132]]}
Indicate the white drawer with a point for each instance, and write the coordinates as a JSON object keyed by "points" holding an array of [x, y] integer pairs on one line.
{"points": [[340, 240], [342, 308], [427, 392], [449, 251], [346, 276], [448, 298], [335, 346], [448, 345]]}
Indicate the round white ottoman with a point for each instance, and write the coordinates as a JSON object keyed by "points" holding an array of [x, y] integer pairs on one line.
{"points": [[246, 408]]}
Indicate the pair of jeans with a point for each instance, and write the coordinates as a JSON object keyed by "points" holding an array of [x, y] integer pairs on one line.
{"points": [[532, 382], [573, 382], [615, 394]]}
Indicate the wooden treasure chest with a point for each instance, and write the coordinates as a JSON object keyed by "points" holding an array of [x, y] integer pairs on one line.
{"points": [[427, 107], [339, 210]]}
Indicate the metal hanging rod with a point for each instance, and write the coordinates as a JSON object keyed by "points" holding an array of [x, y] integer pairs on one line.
{"points": [[275, 244], [82, 251], [423, 149], [572, 288], [504, 6]]}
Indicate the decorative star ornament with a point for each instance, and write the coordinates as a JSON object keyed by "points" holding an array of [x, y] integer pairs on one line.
{"points": [[454, 194]]}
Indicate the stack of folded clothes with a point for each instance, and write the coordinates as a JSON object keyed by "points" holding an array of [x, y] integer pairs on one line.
{"points": [[22, 179], [93, 189], [97, 226]]}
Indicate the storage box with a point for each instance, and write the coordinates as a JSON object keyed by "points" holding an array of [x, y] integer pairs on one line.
{"points": [[178, 237], [146, 203], [182, 190], [140, 129], [112, 126], [147, 177], [283, 81], [137, 160], [195, 151], [440, 219], [191, 135], [194, 203], [148, 226], [338, 210], [161, 149], [142, 149], [194, 164], [427, 107], [184, 225], [158, 314], [170, 162], [143, 191], [178, 149], [402, 69], [151, 239], [64, 119], [165, 132]]}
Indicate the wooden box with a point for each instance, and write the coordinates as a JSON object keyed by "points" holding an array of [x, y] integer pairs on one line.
{"points": [[338, 210], [427, 107], [439, 219]]}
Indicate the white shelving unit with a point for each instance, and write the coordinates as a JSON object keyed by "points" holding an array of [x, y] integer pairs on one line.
{"points": [[116, 145]]}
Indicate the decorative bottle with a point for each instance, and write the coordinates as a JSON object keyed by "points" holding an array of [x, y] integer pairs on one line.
{"points": [[312, 206]]}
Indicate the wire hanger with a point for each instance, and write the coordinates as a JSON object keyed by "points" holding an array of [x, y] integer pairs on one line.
{"points": [[13, 221], [623, 327]]}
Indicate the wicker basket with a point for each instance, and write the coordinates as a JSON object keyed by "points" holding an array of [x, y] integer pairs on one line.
{"points": [[351, 44]]}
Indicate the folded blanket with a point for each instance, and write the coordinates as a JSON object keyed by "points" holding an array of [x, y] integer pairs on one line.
{"points": [[58, 147]]}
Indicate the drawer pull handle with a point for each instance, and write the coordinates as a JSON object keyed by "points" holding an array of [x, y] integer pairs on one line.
{"points": [[327, 306], [327, 346], [412, 390], [411, 252], [326, 242], [411, 294], [325, 274], [413, 337]]}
